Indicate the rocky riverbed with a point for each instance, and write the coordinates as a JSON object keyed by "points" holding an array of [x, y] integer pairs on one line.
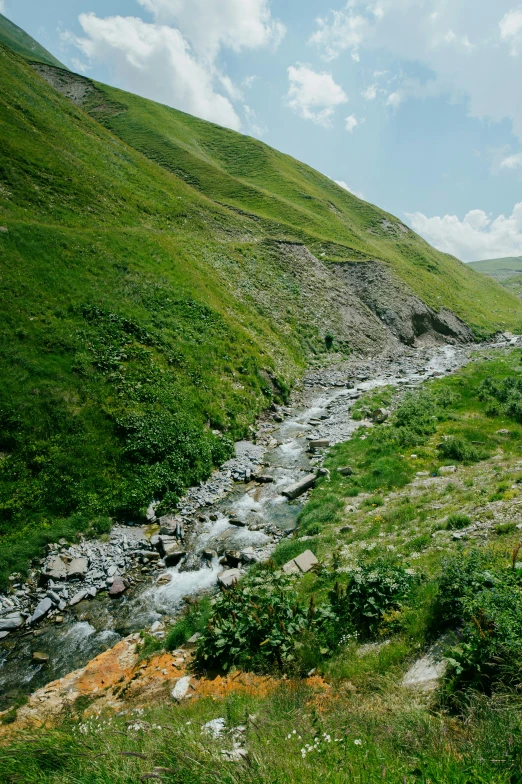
{"points": [[87, 595]]}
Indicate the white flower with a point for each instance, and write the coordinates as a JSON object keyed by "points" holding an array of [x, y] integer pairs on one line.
{"points": [[358, 742]]}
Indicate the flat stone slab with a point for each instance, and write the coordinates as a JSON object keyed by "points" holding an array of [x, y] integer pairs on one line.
{"points": [[55, 569], [237, 522], [229, 577], [297, 489], [447, 469], [264, 478], [306, 561], [319, 443], [425, 674], [78, 597], [173, 554], [3, 635], [291, 568]]}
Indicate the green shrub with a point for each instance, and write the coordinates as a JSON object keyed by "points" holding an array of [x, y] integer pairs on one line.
{"points": [[193, 620], [372, 590], [505, 528], [462, 576], [457, 521], [457, 448]]}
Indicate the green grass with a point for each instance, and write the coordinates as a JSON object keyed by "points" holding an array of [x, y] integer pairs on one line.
{"points": [[17, 39]]}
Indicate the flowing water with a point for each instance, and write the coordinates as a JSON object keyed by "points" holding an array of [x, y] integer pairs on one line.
{"points": [[323, 411]]}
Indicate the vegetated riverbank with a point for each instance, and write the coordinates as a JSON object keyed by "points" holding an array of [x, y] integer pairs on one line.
{"points": [[379, 710], [79, 619]]}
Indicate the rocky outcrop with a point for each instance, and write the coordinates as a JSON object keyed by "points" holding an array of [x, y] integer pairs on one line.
{"points": [[403, 313]]}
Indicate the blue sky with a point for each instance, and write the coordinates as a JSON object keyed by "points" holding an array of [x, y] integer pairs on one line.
{"points": [[413, 104]]}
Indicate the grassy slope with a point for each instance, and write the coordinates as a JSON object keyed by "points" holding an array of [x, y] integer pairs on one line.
{"points": [[364, 726], [498, 266], [16, 39], [109, 313]]}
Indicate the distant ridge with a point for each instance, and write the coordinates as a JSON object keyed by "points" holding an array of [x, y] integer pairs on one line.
{"points": [[21, 43], [499, 269]]}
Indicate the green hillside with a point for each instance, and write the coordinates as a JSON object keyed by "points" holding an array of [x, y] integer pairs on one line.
{"points": [[158, 291], [499, 269], [16, 39]]}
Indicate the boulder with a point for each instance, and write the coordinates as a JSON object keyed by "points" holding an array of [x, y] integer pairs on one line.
{"points": [[173, 554], [164, 579], [10, 622], [3, 635], [77, 569], [291, 568], [306, 561], [380, 415], [345, 471], [42, 608], [297, 489], [237, 522], [233, 557], [54, 569], [264, 478], [117, 588], [229, 577]]}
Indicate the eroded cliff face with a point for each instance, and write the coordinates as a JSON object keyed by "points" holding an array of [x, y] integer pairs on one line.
{"points": [[399, 309]]}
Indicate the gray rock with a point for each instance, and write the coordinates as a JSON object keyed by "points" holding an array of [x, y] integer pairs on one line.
{"points": [[78, 597], [319, 443], [42, 608], [297, 489], [3, 635], [237, 522], [112, 570], [450, 469], [54, 569], [345, 471], [291, 568], [229, 577], [173, 555], [54, 597], [380, 415], [77, 569], [10, 622], [306, 561], [264, 478], [425, 674]]}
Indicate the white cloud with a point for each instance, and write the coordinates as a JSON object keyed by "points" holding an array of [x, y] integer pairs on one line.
{"points": [[210, 25], [351, 122], [254, 126], [346, 30], [474, 238], [157, 62], [2, 7], [394, 99], [248, 81], [346, 187], [511, 29], [512, 161], [466, 48], [370, 94], [313, 95]]}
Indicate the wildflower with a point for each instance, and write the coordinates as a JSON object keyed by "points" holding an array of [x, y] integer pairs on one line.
{"points": [[358, 742]]}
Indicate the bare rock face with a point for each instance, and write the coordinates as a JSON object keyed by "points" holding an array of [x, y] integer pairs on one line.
{"points": [[404, 314]]}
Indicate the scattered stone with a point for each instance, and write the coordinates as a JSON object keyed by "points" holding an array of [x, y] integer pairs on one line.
{"points": [[215, 728], [54, 569], [117, 588], [78, 597], [503, 432], [237, 522], [40, 658], [297, 489], [347, 529], [181, 688], [323, 472], [345, 471], [58, 619], [173, 555], [450, 469], [193, 641], [228, 577], [425, 674], [3, 635], [10, 622], [264, 478], [214, 517], [42, 608], [164, 579]]}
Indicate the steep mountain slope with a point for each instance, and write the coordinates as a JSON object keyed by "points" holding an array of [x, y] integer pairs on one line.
{"points": [[17, 39], [289, 200], [163, 279]]}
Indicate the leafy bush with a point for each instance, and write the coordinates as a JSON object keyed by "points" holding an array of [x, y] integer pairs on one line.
{"points": [[254, 624], [372, 590], [463, 575], [457, 448], [490, 651], [457, 521]]}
